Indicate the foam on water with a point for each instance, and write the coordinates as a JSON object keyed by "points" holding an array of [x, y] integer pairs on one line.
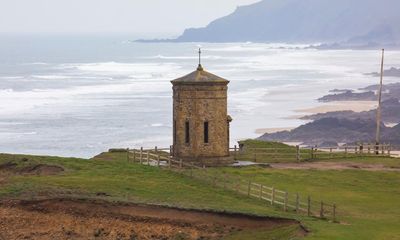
{"points": [[81, 107]]}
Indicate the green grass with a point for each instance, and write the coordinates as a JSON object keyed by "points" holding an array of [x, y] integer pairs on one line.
{"points": [[253, 151], [368, 202], [124, 181]]}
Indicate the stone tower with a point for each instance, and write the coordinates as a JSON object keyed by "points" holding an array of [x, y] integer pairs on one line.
{"points": [[200, 118]]}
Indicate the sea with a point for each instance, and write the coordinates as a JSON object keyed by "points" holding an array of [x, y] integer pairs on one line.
{"points": [[77, 96]]}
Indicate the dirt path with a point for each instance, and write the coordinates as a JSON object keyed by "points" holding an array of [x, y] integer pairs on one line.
{"points": [[89, 219], [333, 166]]}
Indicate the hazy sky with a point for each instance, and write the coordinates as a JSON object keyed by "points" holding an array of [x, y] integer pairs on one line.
{"points": [[140, 17]]}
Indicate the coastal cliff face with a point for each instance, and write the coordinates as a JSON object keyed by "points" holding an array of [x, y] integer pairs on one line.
{"points": [[355, 21]]}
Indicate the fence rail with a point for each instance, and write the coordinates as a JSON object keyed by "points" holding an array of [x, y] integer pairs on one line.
{"points": [[292, 202], [311, 153]]}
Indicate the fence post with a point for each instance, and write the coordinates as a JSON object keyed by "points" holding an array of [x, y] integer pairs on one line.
{"points": [[261, 191], [158, 160], [255, 157], [127, 154], [321, 212], [134, 155], [297, 202], [170, 150], [234, 156], [141, 154], [148, 157], [334, 212], [308, 206], [369, 148], [180, 163], [298, 153], [248, 189], [286, 202], [312, 153], [273, 196], [383, 149]]}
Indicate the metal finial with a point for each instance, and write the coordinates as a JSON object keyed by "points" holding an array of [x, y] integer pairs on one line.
{"points": [[200, 68], [199, 56]]}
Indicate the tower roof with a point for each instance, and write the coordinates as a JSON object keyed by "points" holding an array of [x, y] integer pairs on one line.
{"points": [[200, 76]]}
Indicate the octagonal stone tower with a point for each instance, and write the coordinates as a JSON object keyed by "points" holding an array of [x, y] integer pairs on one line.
{"points": [[200, 119]]}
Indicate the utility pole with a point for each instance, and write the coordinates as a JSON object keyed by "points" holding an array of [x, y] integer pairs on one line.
{"points": [[378, 111]]}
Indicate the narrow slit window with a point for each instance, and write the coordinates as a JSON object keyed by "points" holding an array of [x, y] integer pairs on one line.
{"points": [[187, 134], [205, 132]]}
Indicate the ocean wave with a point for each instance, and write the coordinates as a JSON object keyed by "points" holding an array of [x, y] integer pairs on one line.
{"points": [[210, 57], [51, 77], [123, 68]]}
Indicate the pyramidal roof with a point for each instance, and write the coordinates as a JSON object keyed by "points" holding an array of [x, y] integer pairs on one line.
{"points": [[200, 76]]}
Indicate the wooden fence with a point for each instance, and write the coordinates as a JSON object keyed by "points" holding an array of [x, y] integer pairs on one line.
{"points": [[290, 202], [291, 154]]}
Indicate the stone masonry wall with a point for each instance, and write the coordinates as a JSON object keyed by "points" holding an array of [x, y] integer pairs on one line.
{"points": [[198, 104]]}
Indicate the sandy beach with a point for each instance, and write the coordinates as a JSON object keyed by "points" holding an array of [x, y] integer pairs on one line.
{"points": [[356, 106]]}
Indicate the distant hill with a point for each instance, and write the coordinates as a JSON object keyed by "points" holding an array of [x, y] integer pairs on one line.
{"points": [[352, 21]]}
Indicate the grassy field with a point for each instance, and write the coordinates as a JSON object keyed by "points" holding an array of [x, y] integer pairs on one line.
{"points": [[288, 155], [127, 182], [368, 202]]}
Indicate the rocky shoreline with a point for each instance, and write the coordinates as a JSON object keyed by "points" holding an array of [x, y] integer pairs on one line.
{"points": [[333, 128]]}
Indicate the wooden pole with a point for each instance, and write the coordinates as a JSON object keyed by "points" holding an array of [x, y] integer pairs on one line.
{"points": [[321, 212], [141, 155], [127, 154], [285, 207], [298, 153], [312, 153], [334, 212], [158, 160], [235, 157], [379, 109], [148, 157], [249, 189], [261, 191], [134, 155], [273, 196]]}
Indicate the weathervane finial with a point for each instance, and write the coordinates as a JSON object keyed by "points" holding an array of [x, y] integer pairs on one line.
{"points": [[200, 68]]}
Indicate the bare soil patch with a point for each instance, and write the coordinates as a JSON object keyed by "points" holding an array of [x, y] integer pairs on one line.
{"points": [[33, 169], [333, 166], [94, 219]]}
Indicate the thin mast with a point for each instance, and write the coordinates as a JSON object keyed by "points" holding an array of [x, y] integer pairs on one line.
{"points": [[378, 111]]}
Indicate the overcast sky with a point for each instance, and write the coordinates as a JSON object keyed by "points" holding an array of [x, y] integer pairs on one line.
{"points": [[139, 17]]}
